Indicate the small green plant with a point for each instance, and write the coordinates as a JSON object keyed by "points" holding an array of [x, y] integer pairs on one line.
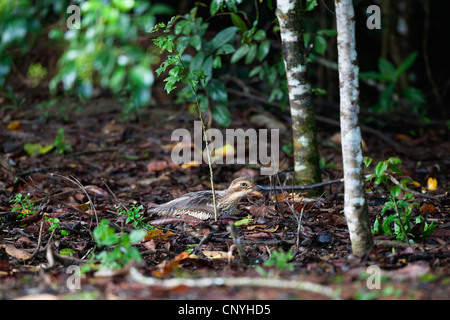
{"points": [[60, 142], [280, 260], [23, 206], [122, 251], [389, 75], [396, 214], [135, 217], [54, 225]]}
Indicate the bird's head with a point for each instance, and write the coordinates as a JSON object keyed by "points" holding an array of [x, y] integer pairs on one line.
{"points": [[244, 186]]}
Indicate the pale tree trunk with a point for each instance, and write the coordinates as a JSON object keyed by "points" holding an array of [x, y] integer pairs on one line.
{"points": [[306, 155], [355, 206]]}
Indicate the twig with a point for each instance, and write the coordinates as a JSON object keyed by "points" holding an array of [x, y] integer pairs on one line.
{"points": [[238, 242], [78, 183], [305, 187], [288, 284], [419, 194]]}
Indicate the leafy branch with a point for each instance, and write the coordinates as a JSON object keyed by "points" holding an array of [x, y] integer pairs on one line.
{"points": [[177, 73]]}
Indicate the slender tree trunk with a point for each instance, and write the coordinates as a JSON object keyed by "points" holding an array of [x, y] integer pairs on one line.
{"points": [[355, 206], [306, 154]]}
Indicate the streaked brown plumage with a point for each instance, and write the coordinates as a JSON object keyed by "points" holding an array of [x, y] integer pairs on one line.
{"points": [[200, 204]]}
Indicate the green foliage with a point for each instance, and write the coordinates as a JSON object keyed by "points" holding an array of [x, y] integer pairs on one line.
{"points": [[389, 75], [123, 251], [106, 51], [60, 143], [23, 206], [18, 26], [54, 225], [36, 73], [280, 260], [34, 149], [135, 217], [400, 222]]}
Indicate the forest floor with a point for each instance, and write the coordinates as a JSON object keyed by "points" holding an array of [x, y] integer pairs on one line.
{"points": [[120, 163]]}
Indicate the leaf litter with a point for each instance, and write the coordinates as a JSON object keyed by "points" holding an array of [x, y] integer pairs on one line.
{"points": [[113, 164]]}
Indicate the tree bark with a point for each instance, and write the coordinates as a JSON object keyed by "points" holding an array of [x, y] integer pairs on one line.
{"points": [[306, 154], [355, 203]]}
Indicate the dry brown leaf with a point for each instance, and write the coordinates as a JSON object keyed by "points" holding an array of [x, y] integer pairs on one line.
{"points": [[165, 267], [14, 125], [212, 254], [16, 253], [427, 208]]}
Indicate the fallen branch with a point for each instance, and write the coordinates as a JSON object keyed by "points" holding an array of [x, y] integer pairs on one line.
{"points": [[236, 282]]}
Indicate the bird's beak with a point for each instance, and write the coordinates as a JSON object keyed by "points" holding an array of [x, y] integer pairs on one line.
{"points": [[260, 188], [256, 190]]}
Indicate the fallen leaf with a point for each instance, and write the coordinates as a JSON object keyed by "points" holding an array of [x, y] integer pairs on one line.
{"points": [[191, 164], [212, 254], [16, 253], [96, 191], [160, 165], [427, 208], [14, 125], [260, 226], [158, 234], [431, 184], [83, 207], [165, 267]]}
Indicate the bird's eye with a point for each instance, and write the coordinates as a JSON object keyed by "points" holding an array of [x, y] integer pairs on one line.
{"points": [[244, 185]]}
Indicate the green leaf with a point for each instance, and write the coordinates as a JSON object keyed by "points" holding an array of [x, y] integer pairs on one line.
{"points": [[223, 37], [217, 63], [243, 221], [141, 76], [196, 42], [406, 64], [67, 251], [413, 95], [395, 191], [380, 168], [387, 69], [207, 68], [251, 54], [238, 22], [221, 115], [263, 50], [215, 6], [376, 226], [197, 62], [394, 168], [137, 235], [310, 5], [116, 81], [124, 5], [240, 53], [34, 149], [367, 161], [256, 70], [320, 44], [217, 91], [226, 49], [259, 35], [203, 103]]}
